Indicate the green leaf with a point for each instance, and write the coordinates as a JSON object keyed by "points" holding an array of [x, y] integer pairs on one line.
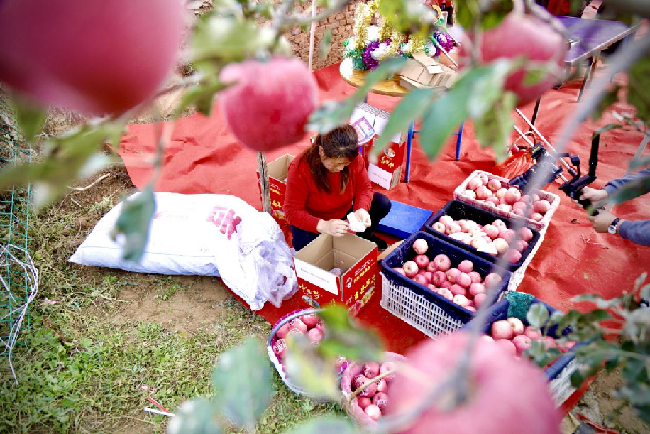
{"points": [[325, 425], [242, 382], [494, 128], [597, 300], [638, 163], [133, 222], [609, 98], [395, 12], [333, 113], [194, 417], [498, 11], [537, 315], [30, 117], [346, 338], [409, 108], [468, 11], [634, 370], [638, 85], [202, 97], [311, 372], [326, 43]]}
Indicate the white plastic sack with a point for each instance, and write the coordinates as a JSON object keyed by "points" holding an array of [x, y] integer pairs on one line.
{"points": [[206, 235]]}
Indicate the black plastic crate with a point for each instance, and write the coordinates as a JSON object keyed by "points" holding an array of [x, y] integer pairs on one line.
{"points": [[437, 246], [460, 210]]}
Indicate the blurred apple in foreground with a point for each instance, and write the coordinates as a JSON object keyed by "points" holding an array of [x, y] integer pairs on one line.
{"points": [[505, 395], [95, 57], [269, 105], [521, 35]]}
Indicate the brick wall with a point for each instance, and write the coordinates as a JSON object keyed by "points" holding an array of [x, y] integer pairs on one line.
{"points": [[340, 25]]}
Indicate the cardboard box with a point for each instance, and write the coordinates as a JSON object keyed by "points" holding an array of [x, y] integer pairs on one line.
{"points": [[386, 171], [278, 169], [424, 72], [356, 257]]}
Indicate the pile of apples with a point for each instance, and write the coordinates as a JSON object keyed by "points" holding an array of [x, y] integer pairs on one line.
{"points": [[373, 399], [503, 197], [460, 285], [308, 324], [494, 238], [517, 338]]}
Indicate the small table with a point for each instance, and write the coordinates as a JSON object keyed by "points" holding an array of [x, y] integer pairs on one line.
{"points": [[390, 87]]}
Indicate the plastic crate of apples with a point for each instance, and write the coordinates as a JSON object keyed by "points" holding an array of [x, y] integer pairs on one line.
{"points": [[444, 273], [303, 322], [484, 233], [493, 193], [374, 380], [516, 336]]}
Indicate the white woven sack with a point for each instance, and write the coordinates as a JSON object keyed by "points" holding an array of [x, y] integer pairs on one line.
{"points": [[205, 235]]}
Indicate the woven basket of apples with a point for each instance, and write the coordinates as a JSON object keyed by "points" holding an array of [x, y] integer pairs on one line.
{"points": [[365, 388], [492, 192], [435, 285], [483, 233], [304, 322], [516, 336]]}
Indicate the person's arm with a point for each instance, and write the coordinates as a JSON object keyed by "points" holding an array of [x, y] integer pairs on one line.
{"points": [[615, 184], [295, 199], [363, 188], [638, 231]]}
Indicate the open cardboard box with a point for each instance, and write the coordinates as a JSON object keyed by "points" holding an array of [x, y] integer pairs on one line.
{"points": [[277, 169], [355, 256]]}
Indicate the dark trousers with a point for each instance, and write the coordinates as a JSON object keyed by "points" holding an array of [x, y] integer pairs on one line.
{"points": [[379, 208]]}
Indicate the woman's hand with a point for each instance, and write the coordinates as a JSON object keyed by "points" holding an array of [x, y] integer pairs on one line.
{"points": [[334, 227], [363, 216]]}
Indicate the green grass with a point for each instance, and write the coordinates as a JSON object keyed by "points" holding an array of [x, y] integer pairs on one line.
{"points": [[80, 371]]}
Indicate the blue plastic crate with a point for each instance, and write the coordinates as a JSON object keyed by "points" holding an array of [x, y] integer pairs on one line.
{"points": [[450, 315], [460, 210], [558, 372]]}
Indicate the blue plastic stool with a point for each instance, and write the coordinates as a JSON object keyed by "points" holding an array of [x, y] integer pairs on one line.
{"points": [[409, 143], [403, 220]]}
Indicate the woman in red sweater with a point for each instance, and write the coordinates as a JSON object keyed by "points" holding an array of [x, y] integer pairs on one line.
{"points": [[327, 182]]}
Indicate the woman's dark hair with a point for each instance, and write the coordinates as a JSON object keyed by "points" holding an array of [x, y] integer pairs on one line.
{"points": [[341, 142]]}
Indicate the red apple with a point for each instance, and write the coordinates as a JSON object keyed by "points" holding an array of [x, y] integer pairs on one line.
{"points": [[507, 345], [501, 330], [373, 411], [492, 279], [422, 261], [446, 220], [460, 300], [279, 348], [521, 35], [439, 227], [446, 285], [479, 299], [358, 381], [297, 324], [474, 183], [452, 228], [438, 278], [371, 370], [526, 234], [382, 386], [513, 256], [420, 246], [475, 276], [458, 290], [464, 280], [542, 206], [522, 343], [431, 267], [466, 266], [363, 401], [512, 196], [483, 193], [387, 367], [419, 278], [470, 194], [491, 231], [442, 262], [504, 393], [508, 235], [504, 207], [493, 200], [315, 336], [283, 330], [517, 326], [521, 245], [279, 94], [94, 57], [501, 245], [501, 193], [476, 288], [494, 184], [410, 268], [453, 274], [310, 319], [446, 293], [533, 332], [536, 217], [380, 399]]}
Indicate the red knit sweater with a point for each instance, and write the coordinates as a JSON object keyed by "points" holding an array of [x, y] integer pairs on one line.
{"points": [[305, 204]]}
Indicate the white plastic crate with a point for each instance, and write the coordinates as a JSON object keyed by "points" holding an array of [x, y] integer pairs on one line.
{"points": [[553, 199], [560, 386], [416, 310]]}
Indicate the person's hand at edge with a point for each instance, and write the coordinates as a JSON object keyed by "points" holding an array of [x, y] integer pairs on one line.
{"points": [[334, 227]]}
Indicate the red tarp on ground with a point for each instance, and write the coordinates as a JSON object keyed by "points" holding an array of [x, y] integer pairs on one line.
{"points": [[204, 157]]}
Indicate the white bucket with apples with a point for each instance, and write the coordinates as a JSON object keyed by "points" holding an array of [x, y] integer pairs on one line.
{"points": [[305, 322], [367, 407]]}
